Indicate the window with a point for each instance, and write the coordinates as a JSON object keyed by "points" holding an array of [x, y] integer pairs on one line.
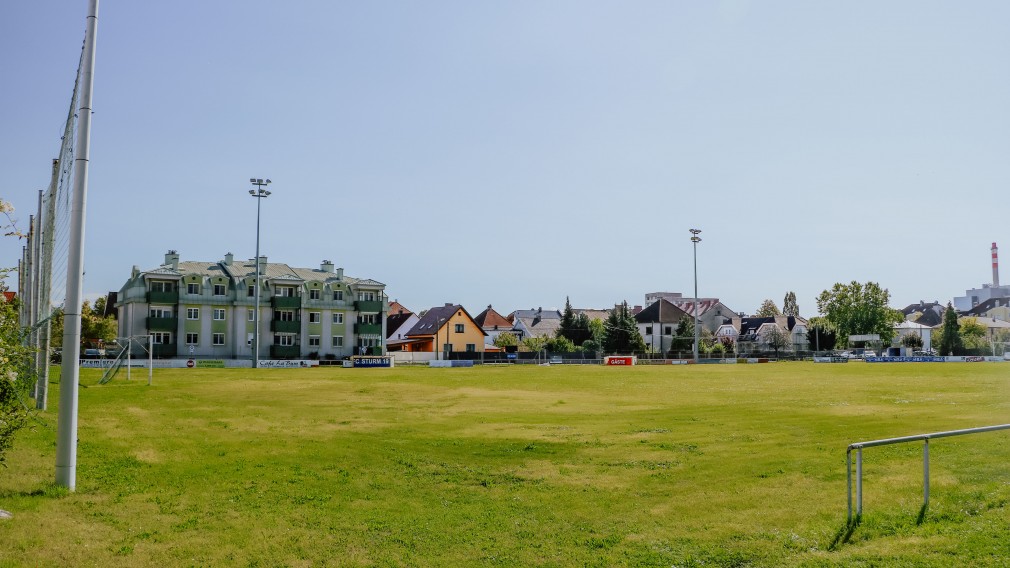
{"points": [[161, 337], [366, 296], [161, 286], [314, 294], [218, 339], [470, 347], [193, 313], [314, 317], [459, 328], [252, 290], [192, 288], [338, 295], [161, 313], [284, 315], [284, 340], [338, 318], [192, 338], [368, 318], [338, 340], [285, 291], [668, 330], [219, 314], [219, 289], [251, 315], [648, 330], [313, 341]]}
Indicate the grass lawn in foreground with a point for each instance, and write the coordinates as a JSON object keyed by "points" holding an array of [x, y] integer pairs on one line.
{"points": [[710, 465]]}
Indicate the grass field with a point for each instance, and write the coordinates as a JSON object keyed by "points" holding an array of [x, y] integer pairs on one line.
{"points": [[732, 465]]}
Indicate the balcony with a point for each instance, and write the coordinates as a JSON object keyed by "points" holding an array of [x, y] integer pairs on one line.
{"points": [[285, 351], [368, 328], [286, 302], [163, 297], [162, 324], [368, 306], [279, 326], [163, 350]]}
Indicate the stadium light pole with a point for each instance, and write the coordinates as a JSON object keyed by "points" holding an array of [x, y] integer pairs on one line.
{"points": [[259, 193], [695, 239]]}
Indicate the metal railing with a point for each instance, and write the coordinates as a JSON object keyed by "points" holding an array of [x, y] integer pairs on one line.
{"points": [[858, 446]]}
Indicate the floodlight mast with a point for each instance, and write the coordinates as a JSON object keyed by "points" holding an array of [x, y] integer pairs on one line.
{"points": [[259, 193], [695, 239]]}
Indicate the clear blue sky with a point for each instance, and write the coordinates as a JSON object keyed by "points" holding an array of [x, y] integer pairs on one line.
{"points": [[515, 153]]}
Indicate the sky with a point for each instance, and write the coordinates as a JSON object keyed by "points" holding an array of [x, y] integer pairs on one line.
{"points": [[520, 153]]}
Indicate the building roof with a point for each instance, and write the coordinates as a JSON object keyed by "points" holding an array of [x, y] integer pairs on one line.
{"points": [[981, 308], [435, 318], [661, 311], [925, 313], [490, 319], [538, 322], [396, 307], [395, 321], [593, 313]]}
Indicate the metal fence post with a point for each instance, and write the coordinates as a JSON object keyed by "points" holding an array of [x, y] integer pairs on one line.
{"points": [[925, 474], [859, 482], [848, 480]]}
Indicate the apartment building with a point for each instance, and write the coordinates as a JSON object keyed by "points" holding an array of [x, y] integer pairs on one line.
{"points": [[208, 310]]}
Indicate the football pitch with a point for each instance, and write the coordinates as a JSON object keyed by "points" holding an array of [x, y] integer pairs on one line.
{"points": [[709, 465]]}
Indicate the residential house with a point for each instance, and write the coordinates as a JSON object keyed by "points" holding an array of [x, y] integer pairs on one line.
{"points": [[208, 310], [712, 313], [493, 324], [750, 333], [449, 326], [658, 324], [997, 308], [906, 327], [535, 323], [399, 321], [925, 313]]}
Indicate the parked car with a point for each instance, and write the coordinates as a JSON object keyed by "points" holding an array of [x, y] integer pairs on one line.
{"points": [[93, 354]]}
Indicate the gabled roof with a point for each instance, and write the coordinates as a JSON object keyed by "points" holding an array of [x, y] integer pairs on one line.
{"points": [[395, 321], [661, 311], [490, 319], [593, 313], [397, 307], [435, 318], [981, 308]]}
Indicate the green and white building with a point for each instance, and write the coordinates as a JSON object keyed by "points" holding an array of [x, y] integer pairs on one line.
{"points": [[207, 310]]}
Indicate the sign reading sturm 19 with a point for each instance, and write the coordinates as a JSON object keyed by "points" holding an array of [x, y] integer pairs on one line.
{"points": [[362, 361]]}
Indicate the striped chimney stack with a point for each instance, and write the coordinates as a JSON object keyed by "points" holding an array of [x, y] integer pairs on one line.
{"points": [[995, 267]]}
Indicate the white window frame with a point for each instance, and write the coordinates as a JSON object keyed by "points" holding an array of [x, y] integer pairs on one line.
{"points": [[192, 313], [315, 317], [192, 338], [284, 340], [314, 341], [338, 318], [251, 314], [338, 295], [217, 339], [161, 337], [337, 341], [219, 312], [315, 294], [223, 287], [191, 285]]}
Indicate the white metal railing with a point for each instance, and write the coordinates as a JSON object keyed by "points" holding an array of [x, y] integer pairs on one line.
{"points": [[858, 446]]}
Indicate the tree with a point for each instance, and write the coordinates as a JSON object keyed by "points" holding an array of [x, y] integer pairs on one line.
{"points": [[820, 334], [789, 305], [776, 338], [95, 327], [621, 335], [684, 336], [859, 309], [912, 341], [973, 338], [574, 327], [506, 339], [560, 345], [533, 344], [950, 333], [768, 309]]}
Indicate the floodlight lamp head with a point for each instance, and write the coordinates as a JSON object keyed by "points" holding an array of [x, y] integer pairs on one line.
{"points": [[265, 193], [252, 180], [268, 181], [252, 192], [695, 231]]}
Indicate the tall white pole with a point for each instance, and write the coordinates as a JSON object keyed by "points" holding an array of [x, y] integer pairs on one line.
{"points": [[256, 314], [66, 429], [695, 239]]}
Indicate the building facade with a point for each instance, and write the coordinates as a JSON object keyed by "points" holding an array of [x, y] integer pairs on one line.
{"points": [[208, 310]]}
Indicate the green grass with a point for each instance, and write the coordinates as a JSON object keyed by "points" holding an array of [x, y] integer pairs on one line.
{"points": [[733, 465]]}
